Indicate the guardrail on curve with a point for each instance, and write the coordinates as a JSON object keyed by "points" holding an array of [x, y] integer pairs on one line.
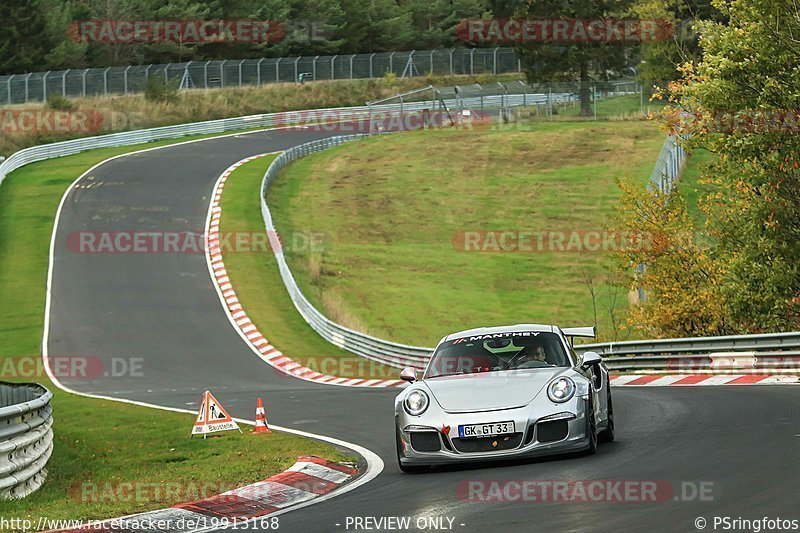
{"points": [[386, 352], [26, 438]]}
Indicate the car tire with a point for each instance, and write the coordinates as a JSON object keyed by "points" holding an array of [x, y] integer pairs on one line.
{"points": [[407, 469], [591, 430], [607, 435]]}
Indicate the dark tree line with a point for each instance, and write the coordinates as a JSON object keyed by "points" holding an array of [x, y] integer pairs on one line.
{"points": [[34, 34]]}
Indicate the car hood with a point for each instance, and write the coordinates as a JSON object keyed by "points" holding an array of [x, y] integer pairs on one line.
{"points": [[490, 390]]}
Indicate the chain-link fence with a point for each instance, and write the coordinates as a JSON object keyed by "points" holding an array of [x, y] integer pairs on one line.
{"points": [[518, 101], [37, 86]]}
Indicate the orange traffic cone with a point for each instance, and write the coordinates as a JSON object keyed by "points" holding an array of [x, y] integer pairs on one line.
{"points": [[261, 419]]}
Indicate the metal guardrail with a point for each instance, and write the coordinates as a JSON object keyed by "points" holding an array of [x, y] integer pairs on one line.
{"points": [[26, 438], [659, 354], [390, 353], [382, 351], [299, 118], [698, 345], [669, 164]]}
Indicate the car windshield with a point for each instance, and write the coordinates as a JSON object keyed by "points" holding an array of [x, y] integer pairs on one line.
{"points": [[498, 352]]}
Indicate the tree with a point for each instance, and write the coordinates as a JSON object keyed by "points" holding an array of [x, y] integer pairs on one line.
{"points": [[660, 60], [374, 26], [584, 61], [740, 101], [681, 277], [24, 39]]}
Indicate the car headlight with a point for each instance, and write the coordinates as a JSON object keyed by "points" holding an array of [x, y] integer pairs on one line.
{"points": [[561, 390], [416, 402]]}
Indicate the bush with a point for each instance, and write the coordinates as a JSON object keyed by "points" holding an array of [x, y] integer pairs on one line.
{"points": [[59, 103], [159, 90]]}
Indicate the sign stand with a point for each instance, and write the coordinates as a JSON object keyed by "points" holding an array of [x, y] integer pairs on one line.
{"points": [[212, 417]]}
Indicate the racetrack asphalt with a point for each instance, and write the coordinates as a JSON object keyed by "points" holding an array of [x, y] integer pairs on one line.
{"points": [[743, 442]]}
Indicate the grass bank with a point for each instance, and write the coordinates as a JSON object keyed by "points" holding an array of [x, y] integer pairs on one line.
{"points": [[395, 211], [259, 287]]}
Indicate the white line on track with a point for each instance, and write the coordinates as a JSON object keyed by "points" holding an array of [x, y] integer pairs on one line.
{"points": [[374, 462]]}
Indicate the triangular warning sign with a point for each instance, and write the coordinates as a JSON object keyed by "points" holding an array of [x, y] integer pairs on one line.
{"points": [[212, 417]]}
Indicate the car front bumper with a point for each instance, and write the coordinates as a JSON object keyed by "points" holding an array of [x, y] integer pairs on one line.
{"points": [[568, 419]]}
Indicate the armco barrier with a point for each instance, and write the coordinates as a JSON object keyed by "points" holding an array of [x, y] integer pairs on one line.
{"points": [[129, 138], [385, 352], [370, 347], [660, 354], [26, 438]]}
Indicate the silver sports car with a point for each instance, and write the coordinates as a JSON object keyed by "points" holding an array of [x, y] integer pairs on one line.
{"points": [[502, 393]]}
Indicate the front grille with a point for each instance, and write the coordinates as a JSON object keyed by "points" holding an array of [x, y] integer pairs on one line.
{"points": [[488, 444], [529, 434], [426, 441], [552, 431]]}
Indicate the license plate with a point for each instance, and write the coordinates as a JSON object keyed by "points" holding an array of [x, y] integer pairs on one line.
{"points": [[486, 430]]}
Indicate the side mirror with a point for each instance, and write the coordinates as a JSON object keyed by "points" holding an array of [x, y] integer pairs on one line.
{"points": [[408, 374], [590, 359]]}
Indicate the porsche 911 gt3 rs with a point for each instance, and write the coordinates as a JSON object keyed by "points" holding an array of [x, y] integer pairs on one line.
{"points": [[502, 393]]}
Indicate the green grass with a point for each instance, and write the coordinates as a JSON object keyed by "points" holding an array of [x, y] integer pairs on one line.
{"points": [[689, 184], [624, 107], [259, 287], [100, 444], [391, 206], [99, 441]]}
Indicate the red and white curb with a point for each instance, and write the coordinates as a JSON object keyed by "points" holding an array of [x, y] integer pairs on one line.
{"points": [[238, 315], [683, 380], [287, 365], [307, 479]]}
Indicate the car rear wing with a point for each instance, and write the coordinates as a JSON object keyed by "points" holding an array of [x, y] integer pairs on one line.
{"points": [[571, 333]]}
